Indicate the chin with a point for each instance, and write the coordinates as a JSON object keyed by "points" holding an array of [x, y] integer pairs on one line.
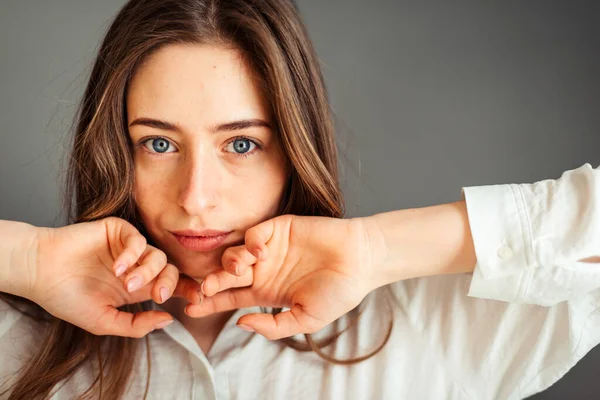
{"points": [[197, 265], [198, 272]]}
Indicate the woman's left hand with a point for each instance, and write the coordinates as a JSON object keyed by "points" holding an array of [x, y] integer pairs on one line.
{"points": [[318, 267]]}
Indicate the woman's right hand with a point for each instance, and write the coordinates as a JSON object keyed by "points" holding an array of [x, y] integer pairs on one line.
{"points": [[76, 277]]}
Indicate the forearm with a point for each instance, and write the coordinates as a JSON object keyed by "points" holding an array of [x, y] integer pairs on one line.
{"points": [[18, 242], [423, 241]]}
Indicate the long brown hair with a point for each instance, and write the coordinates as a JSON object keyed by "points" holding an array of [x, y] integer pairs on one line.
{"points": [[272, 39]]}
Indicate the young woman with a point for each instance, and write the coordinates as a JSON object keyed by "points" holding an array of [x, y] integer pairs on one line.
{"points": [[203, 171]]}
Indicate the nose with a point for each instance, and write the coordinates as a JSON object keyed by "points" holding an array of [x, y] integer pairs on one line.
{"points": [[199, 185]]}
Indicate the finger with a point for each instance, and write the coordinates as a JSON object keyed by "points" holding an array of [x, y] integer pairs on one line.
{"points": [[165, 284], [188, 289], [273, 327], [151, 262], [224, 301], [137, 325], [258, 236], [237, 259], [222, 280], [134, 247]]}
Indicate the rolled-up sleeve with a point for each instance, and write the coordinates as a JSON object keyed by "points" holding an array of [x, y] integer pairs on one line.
{"points": [[531, 239]]}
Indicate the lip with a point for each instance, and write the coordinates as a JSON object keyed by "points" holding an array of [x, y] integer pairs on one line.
{"points": [[205, 240], [204, 232]]}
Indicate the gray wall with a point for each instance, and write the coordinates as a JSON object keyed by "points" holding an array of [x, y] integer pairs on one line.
{"points": [[429, 97]]}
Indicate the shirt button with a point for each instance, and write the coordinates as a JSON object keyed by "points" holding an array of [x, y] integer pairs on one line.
{"points": [[505, 252]]}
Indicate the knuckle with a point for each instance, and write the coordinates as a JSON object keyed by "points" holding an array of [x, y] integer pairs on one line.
{"points": [[231, 254], [250, 234], [141, 240], [192, 312], [222, 280], [143, 273], [155, 251], [285, 217], [171, 271], [115, 220], [232, 297], [248, 258], [162, 258], [159, 258], [284, 220], [226, 256], [138, 335]]}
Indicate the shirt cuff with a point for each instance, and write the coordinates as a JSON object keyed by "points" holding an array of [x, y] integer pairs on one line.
{"points": [[502, 239]]}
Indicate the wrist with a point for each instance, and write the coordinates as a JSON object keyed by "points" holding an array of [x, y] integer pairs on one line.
{"points": [[18, 257], [376, 250], [418, 242]]}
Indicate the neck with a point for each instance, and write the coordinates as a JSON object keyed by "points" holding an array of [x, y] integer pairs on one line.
{"points": [[206, 329]]}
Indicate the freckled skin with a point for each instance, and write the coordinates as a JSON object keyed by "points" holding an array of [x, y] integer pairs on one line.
{"points": [[200, 181]]}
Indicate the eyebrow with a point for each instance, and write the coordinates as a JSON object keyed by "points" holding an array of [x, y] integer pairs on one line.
{"points": [[229, 126]]}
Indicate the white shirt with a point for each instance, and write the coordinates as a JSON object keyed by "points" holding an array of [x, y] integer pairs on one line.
{"points": [[512, 328]]}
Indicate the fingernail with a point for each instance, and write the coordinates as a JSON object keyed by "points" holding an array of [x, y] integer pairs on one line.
{"points": [[164, 294], [120, 269], [202, 288], [246, 328], [236, 267], [161, 325], [201, 296], [134, 284]]}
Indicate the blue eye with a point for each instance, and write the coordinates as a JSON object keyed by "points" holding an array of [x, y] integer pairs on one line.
{"points": [[159, 145], [241, 146]]}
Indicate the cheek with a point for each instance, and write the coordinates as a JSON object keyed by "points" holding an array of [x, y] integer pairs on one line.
{"points": [[259, 193], [149, 189]]}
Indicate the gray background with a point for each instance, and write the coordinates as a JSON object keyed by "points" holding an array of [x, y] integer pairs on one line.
{"points": [[429, 97]]}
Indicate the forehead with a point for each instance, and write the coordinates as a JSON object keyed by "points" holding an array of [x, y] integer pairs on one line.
{"points": [[195, 85]]}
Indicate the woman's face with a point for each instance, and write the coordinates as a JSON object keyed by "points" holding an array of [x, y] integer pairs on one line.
{"points": [[198, 165]]}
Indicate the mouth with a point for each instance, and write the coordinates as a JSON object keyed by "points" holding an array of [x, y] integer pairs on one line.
{"points": [[201, 240]]}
